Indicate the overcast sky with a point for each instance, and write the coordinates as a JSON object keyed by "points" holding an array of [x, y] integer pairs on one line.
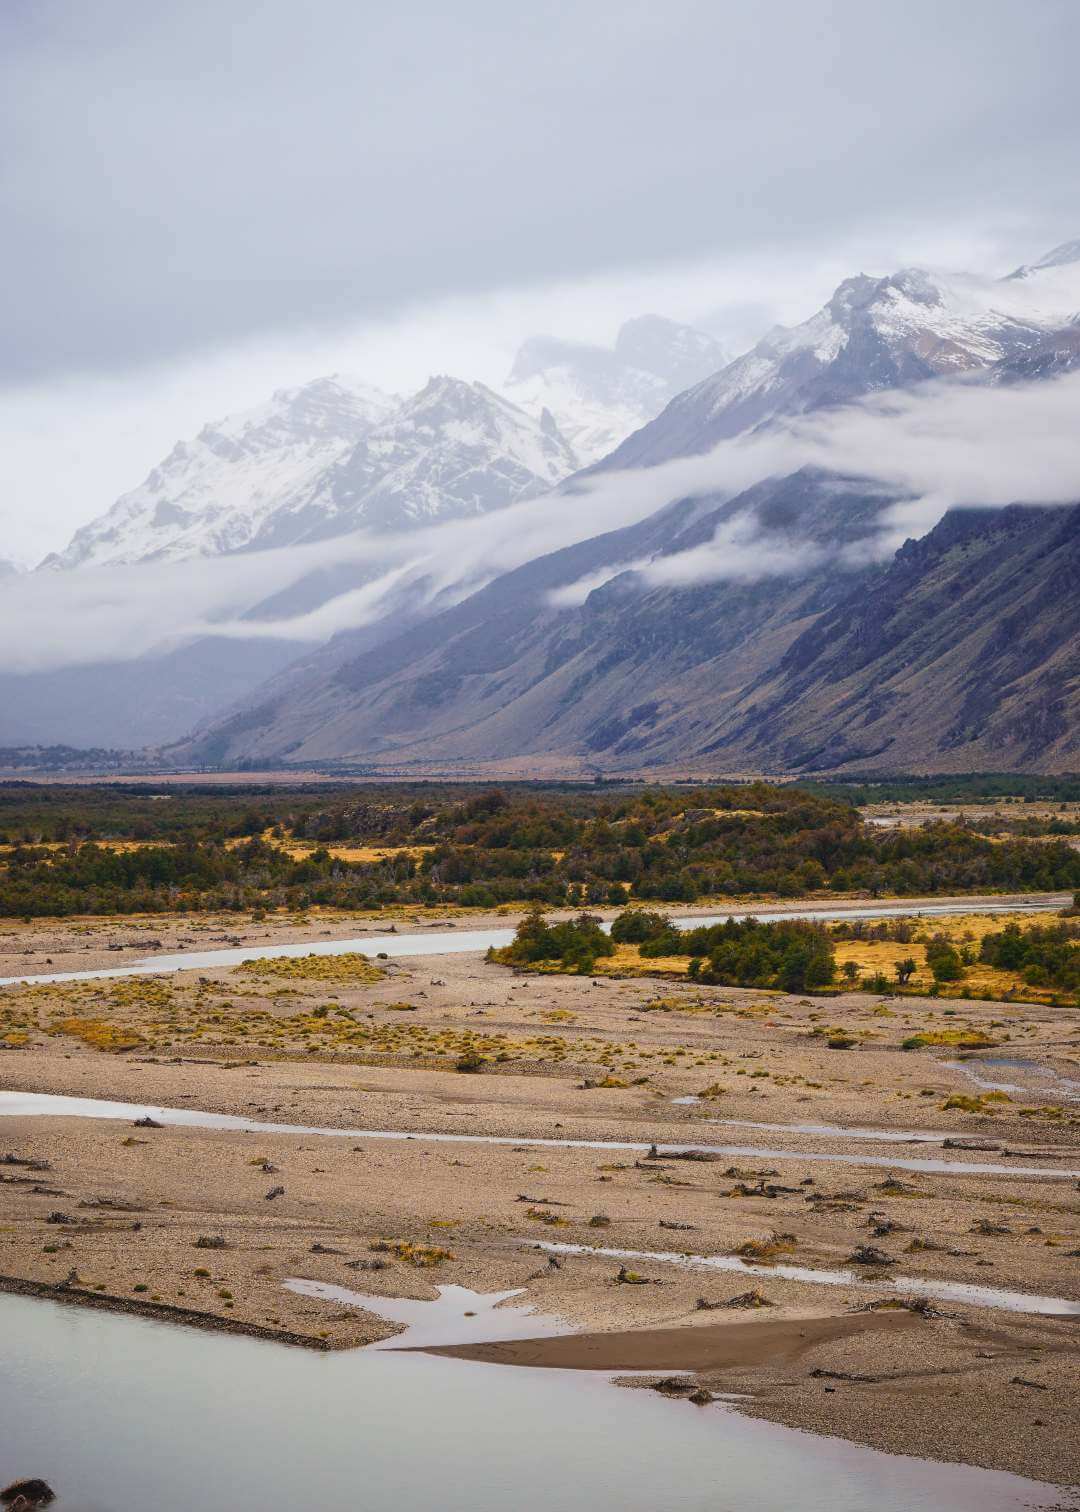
{"points": [[203, 201]]}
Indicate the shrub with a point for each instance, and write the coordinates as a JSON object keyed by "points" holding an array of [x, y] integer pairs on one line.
{"points": [[944, 960], [576, 943]]}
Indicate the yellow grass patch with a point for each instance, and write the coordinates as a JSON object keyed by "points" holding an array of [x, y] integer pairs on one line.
{"points": [[423, 1256], [960, 929], [629, 960], [99, 1034], [351, 967]]}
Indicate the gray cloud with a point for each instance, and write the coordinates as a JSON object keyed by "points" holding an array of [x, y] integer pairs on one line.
{"points": [[180, 176]]}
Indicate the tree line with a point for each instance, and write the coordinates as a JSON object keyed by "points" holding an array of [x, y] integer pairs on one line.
{"points": [[553, 846]]}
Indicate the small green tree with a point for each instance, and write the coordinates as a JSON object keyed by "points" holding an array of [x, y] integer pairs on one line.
{"points": [[906, 969]]}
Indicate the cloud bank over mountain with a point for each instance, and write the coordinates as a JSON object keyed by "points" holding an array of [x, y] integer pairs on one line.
{"points": [[940, 445]]}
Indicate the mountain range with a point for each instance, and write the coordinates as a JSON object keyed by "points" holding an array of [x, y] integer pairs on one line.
{"points": [[325, 459], [619, 653], [322, 460], [834, 661]]}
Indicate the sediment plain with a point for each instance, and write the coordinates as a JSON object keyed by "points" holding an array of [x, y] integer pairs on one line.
{"points": [[184, 1221]]}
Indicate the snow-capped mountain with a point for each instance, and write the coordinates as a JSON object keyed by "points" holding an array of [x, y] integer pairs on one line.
{"points": [[874, 333], [336, 454], [323, 459], [644, 666], [217, 492], [599, 395], [453, 450]]}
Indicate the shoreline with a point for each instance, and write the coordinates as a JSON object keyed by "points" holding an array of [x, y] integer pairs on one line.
{"points": [[743, 1365], [160, 1312]]}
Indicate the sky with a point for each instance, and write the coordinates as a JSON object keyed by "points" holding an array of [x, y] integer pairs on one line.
{"points": [[203, 203]]}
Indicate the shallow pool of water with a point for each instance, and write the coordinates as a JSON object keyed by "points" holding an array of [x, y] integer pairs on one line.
{"points": [[833, 1131], [125, 1415], [456, 1316]]}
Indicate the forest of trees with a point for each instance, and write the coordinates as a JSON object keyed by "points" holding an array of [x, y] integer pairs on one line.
{"points": [[554, 846]]}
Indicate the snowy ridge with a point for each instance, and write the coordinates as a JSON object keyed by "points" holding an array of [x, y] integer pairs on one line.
{"points": [[335, 455], [1059, 257], [874, 333], [215, 493], [323, 459], [455, 449]]}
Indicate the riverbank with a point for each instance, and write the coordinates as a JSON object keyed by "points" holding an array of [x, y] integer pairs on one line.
{"points": [[215, 1220], [45, 946], [961, 1391]]}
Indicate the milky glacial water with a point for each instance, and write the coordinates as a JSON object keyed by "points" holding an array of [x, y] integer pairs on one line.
{"points": [[121, 1414], [57, 1105], [910, 1286]]}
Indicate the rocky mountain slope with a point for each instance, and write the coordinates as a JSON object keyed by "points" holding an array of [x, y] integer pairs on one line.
{"points": [[629, 674], [961, 654]]}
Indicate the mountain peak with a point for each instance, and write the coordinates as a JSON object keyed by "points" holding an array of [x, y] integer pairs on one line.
{"points": [[874, 333], [332, 389], [852, 295], [862, 291], [456, 449], [461, 395]]}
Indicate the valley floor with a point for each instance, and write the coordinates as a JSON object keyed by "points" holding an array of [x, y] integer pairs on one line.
{"points": [[118, 1212]]}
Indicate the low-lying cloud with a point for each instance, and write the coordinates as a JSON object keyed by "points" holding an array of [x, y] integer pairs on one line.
{"points": [[939, 446], [942, 445]]}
